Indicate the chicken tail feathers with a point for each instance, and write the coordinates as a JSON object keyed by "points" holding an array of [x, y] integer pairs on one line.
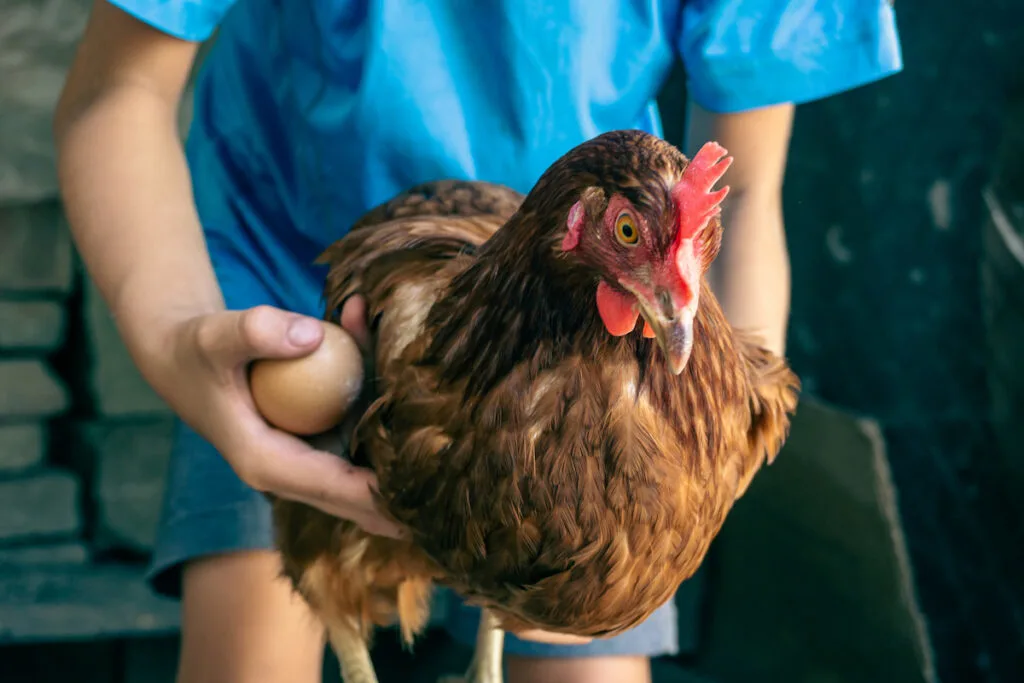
{"points": [[413, 609], [773, 400]]}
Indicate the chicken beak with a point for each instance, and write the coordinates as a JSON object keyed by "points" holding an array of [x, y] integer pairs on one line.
{"points": [[675, 337], [670, 318]]}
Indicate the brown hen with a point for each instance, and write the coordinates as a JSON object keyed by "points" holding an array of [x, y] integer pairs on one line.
{"points": [[556, 463]]}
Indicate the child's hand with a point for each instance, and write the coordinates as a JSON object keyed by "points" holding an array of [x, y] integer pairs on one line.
{"points": [[538, 636], [207, 385]]}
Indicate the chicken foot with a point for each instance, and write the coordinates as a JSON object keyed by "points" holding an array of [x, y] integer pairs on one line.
{"points": [[486, 665], [353, 654]]}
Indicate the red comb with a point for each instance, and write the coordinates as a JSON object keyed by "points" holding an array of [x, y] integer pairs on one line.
{"points": [[695, 202]]}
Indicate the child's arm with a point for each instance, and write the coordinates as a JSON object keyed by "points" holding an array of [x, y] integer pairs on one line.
{"points": [[748, 62], [128, 197], [751, 275], [125, 182]]}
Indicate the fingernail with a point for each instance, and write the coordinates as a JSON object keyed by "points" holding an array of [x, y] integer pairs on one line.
{"points": [[303, 332]]}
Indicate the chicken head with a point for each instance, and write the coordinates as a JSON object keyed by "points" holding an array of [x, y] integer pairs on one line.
{"points": [[651, 251]]}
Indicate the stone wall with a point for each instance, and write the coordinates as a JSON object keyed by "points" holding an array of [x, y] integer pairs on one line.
{"points": [[123, 428], [83, 441], [84, 444], [38, 502], [37, 42]]}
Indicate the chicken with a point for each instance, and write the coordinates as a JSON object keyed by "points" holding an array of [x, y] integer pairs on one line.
{"points": [[555, 462]]}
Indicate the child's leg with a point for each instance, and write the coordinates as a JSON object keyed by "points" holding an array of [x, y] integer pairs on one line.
{"points": [[242, 623], [612, 669], [622, 659]]}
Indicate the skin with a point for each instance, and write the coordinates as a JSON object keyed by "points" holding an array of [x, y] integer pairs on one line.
{"points": [[751, 277], [116, 128]]}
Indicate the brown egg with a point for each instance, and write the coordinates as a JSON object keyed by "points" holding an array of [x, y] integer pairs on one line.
{"points": [[309, 395]]}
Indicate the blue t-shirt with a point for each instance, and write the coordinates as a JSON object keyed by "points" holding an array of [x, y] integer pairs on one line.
{"points": [[309, 112]]}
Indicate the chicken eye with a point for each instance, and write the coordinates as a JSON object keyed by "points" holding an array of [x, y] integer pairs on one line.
{"points": [[625, 230]]}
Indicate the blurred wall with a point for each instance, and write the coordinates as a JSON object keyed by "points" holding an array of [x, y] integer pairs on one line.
{"points": [[884, 218]]}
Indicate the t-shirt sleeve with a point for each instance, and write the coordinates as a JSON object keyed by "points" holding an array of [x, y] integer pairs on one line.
{"points": [[186, 19], [745, 54]]}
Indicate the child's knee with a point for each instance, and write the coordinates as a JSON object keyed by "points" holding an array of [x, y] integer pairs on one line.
{"points": [[600, 669]]}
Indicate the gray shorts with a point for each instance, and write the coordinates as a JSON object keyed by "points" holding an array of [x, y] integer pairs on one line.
{"points": [[209, 511]]}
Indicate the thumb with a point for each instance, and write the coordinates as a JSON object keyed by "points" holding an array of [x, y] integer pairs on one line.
{"points": [[236, 337]]}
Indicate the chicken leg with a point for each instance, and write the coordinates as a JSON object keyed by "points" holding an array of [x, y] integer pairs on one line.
{"points": [[353, 654], [485, 667]]}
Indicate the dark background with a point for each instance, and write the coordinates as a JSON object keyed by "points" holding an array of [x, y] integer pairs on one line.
{"points": [[884, 218]]}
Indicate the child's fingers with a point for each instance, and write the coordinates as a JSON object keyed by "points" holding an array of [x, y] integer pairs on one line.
{"points": [[538, 636], [353, 319], [233, 337], [273, 461]]}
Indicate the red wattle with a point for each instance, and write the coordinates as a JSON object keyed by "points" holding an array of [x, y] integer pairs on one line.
{"points": [[648, 332], [619, 312]]}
